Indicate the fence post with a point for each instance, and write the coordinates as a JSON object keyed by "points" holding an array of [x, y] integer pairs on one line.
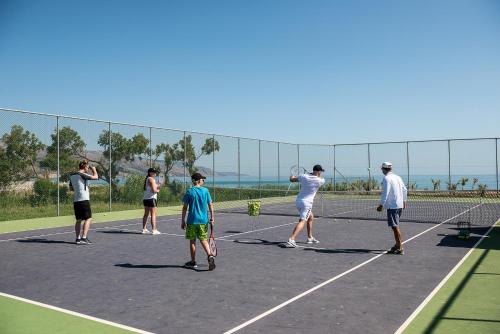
{"points": [[184, 164], [496, 159], [449, 165], [58, 168], [213, 166], [260, 174], [408, 162], [369, 168], [298, 158], [334, 169], [279, 166], [239, 171], [150, 149], [110, 167]]}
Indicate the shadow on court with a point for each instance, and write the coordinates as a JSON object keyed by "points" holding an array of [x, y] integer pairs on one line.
{"points": [[119, 232], [44, 241], [160, 266], [347, 251]]}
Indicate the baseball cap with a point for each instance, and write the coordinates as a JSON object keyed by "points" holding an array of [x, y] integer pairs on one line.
{"points": [[197, 176], [387, 164], [318, 168]]}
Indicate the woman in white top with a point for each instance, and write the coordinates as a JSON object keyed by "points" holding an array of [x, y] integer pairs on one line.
{"points": [[150, 200]]}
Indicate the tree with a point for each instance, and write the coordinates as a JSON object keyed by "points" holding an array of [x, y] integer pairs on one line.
{"points": [[171, 154], [19, 152], [463, 181], [71, 149], [474, 182], [121, 149], [211, 145], [482, 189], [436, 184], [452, 186]]}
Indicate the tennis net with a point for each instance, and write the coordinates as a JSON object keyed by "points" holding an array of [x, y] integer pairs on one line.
{"points": [[453, 207]]}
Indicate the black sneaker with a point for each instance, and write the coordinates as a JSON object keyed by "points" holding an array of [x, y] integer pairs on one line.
{"points": [[78, 241], [191, 264], [400, 251], [211, 263], [86, 241]]}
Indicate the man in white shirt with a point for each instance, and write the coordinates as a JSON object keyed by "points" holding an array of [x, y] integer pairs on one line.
{"points": [[309, 185], [393, 198], [81, 200]]}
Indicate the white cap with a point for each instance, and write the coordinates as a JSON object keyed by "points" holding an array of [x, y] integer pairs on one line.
{"points": [[387, 164]]}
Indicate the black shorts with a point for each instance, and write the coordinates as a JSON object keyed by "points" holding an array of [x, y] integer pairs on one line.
{"points": [[150, 203], [82, 210]]}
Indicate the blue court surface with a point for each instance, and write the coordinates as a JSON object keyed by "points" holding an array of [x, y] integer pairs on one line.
{"points": [[345, 284]]}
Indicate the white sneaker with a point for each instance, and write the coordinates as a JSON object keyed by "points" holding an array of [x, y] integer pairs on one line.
{"points": [[291, 243], [312, 240], [145, 231], [156, 232]]}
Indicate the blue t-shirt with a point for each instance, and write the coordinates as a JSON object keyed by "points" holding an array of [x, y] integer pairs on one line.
{"points": [[197, 199]]}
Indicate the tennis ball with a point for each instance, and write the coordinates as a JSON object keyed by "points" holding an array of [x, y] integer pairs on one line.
{"points": [[334, 219], [349, 221]]}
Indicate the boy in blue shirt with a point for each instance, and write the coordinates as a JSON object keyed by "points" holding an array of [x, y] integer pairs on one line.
{"points": [[198, 202]]}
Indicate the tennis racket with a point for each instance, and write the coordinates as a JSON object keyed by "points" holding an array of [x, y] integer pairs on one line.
{"points": [[161, 179], [211, 241], [295, 171]]}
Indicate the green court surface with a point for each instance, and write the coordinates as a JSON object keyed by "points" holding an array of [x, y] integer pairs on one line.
{"points": [[18, 317], [102, 217], [470, 301]]}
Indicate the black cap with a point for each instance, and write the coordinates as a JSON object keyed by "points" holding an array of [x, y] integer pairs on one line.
{"points": [[152, 170], [197, 177], [318, 168]]}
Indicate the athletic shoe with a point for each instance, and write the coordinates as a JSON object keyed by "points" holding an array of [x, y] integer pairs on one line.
{"points": [[400, 251], [211, 263], [145, 231], [312, 240], [191, 264], [156, 232], [291, 243], [86, 241], [78, 241], [397, 251]]}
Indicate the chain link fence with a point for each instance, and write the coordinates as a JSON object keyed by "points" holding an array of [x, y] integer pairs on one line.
{"points": [[39, 151]]}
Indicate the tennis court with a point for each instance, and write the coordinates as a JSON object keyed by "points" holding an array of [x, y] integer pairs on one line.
{"points": [[345, 284]]}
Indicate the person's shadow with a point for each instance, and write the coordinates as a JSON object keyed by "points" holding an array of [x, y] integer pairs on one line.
{"points": [[159, 266], [44, 241]]}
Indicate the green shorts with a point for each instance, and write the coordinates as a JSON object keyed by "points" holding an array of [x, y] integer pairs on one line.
{"points": [[199, 231]]}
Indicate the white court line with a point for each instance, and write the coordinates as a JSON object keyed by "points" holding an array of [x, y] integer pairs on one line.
{"points": [[76, 314], [440, 285], [72, 231], [258, 230], [305, 293]]}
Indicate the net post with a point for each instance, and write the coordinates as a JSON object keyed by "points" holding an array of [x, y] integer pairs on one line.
{"points": [[184, 163], [110, 170], [58, 168], [260, 175]]}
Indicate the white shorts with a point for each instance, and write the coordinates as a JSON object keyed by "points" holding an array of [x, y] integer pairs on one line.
{"points": [[304, 212]]}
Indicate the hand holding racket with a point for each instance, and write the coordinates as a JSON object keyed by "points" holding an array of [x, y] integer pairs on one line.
{"points": [[380, 208], [294, 172], [211, 240]]}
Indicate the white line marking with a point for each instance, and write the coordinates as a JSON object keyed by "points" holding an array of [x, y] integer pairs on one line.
{"points": [[262, 229], [76, 314], [440, 285], [305, 293]]}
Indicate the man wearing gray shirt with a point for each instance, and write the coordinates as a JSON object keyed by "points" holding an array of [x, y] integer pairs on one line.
{"points": [[81, 200], [393, 198]]}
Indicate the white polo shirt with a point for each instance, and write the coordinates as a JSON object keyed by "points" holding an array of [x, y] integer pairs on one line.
{"points": [[394, 192], [309, 185]]}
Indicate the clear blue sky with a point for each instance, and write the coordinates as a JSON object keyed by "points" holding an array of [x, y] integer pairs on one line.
{"points": [[298, 71]]}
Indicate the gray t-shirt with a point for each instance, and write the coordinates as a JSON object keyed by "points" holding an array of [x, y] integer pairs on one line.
{"points": [[79, 183]]}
